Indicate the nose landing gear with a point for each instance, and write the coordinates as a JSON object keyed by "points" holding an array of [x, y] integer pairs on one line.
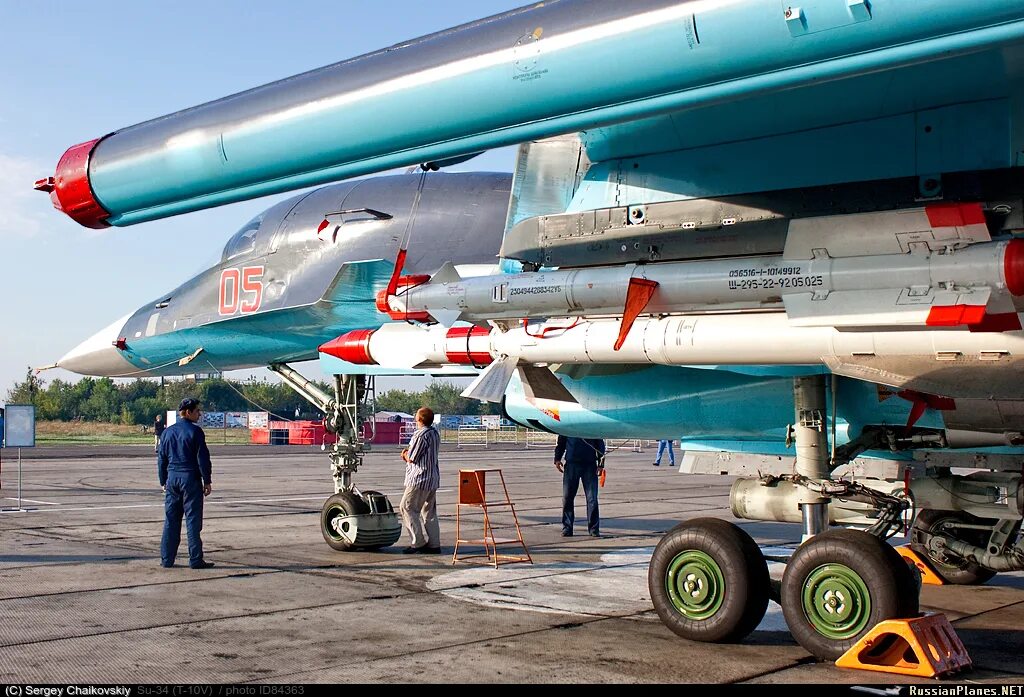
{"points": [[349, 520]]}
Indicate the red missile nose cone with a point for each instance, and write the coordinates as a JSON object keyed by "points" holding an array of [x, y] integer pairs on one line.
{"points": [[71, 191], [353, 347], [1013, 267]]}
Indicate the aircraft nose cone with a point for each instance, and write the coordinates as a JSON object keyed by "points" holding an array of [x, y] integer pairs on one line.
{"points": [[97, 355]]}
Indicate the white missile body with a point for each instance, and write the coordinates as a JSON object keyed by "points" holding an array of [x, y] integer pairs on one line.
{"points": [[880, 290], [714, 339]]}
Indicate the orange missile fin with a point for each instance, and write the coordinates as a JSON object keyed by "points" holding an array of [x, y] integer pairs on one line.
{"points": [[637, 296]]}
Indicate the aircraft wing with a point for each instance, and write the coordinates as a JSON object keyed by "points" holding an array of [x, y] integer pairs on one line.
{"points": [[635, 78]]}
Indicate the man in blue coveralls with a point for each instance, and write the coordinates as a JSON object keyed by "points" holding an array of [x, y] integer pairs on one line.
{"points": [[584, 457], [183, 465]]}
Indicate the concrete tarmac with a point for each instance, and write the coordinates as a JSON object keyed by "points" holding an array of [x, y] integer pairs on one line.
{"points": [[83, 598]]}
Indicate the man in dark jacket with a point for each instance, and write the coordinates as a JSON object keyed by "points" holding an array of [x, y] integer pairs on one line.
{"points": [[158, 430], [183, 465], [584, 457]]}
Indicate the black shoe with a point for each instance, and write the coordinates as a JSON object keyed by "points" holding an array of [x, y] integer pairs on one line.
{"points": [[411, 550], [167, 566], [595, 534], [656, 464], [202, 565], [567, 533], [429, 550]]}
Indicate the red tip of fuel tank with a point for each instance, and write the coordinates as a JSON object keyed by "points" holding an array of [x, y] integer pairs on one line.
{"points": [[71, 192], [353, 347], [1013, 267]]}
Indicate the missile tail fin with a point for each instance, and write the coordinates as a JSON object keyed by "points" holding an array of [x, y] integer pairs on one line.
{"points": [[446, 274], [540, 383], [490, 385], [446, 318]]}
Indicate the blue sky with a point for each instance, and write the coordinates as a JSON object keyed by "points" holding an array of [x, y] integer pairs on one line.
{"points": [[75, 71]]}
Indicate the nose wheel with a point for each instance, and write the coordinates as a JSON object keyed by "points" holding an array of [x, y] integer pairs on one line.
{"points": [[350, 522]]}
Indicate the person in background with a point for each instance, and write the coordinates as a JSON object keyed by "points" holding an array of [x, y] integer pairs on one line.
{"points": [[185, 472], [664, 445], [422, 479], [158, 429], [584, 460]]}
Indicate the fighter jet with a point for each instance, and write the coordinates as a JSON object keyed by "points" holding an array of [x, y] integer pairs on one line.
{"points": [[302, 272], [785, 234]]}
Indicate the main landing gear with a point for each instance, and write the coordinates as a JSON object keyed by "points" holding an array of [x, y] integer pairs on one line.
{"points": [[709, 580], [350, 520]]}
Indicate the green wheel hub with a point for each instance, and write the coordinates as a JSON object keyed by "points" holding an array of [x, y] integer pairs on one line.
{"points": [[695, 584], [836, 601]]}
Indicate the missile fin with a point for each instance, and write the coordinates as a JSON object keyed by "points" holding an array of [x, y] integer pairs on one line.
{"points": [[1000, 315], [934, 227], [539, 383], [892, 307], [446, 274], [638, 294], [446, 318], [491, 384]]}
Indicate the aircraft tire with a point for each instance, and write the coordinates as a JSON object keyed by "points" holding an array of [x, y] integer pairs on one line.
{"points": [[709, 581], [838, 585], [345, 503], [908, 578], [965, 574], [366, 496]]}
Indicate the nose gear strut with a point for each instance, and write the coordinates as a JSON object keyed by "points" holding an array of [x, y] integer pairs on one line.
{"points": [[349, 519]]}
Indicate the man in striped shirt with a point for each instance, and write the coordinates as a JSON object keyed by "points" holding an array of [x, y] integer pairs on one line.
{"points": [[422, 479]]}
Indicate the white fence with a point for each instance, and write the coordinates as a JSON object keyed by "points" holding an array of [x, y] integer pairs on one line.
{"points": [[472, 435]]}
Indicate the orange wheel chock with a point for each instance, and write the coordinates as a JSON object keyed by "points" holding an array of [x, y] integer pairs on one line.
{"points": [[928, 575], [926, 647]]}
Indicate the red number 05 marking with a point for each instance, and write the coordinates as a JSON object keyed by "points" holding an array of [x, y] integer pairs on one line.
{"points": [[241, 289]]}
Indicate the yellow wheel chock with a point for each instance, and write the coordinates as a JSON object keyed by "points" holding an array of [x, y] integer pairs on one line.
{"points": [[926, 647], [928, 575]]}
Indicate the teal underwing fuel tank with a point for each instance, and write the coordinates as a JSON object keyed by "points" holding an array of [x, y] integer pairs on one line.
{"points": [[545, 69]]}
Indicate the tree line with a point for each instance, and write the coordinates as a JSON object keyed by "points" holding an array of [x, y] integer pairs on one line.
{"points": [[139, 401]]}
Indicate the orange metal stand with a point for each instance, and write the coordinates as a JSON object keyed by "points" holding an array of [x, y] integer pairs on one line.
{"points": [[473, 492]]}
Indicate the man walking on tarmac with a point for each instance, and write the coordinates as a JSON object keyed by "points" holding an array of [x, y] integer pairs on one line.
{"points": [[183, 465]]}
